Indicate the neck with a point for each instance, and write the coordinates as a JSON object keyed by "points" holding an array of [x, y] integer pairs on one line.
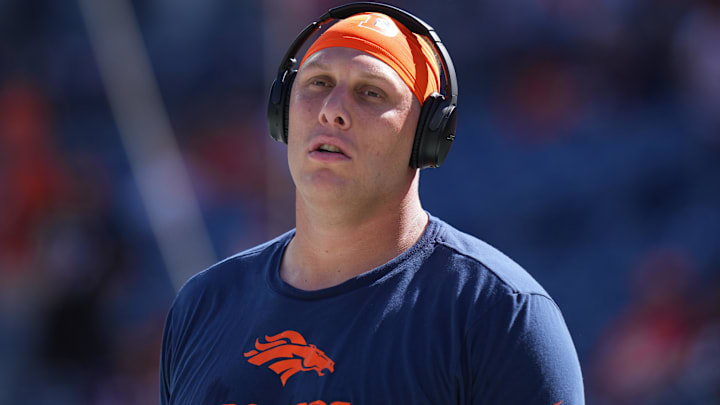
{"points": [[332, 246]]}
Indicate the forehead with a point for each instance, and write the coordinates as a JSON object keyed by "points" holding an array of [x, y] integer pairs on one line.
{"points": [[352, 62]]}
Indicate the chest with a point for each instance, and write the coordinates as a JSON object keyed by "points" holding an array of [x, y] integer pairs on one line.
{"points": [[369, 351]]}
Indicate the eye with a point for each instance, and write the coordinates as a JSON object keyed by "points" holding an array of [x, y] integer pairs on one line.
{"points": [[319, 83], [371, 93]]}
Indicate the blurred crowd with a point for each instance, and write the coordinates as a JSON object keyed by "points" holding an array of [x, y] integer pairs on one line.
{"points": [[588, 149]]}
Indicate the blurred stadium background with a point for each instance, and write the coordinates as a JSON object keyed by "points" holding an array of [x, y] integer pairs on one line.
{"points": [[134, 152]]}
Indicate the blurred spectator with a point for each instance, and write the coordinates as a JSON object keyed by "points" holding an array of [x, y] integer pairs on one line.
{"points": [[697, 55], [699, 381], [230, 177], [544, 99], [32, 178], [80, 255], [640, 356]]}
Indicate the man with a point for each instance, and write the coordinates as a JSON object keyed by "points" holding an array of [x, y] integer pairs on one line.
{"points": [[370, 300]]}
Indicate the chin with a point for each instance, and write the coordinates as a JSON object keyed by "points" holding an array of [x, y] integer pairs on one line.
{"points": [[323, 181]]}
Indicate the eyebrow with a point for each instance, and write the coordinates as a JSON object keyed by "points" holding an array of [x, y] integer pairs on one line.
{"points": [[315, 64]]}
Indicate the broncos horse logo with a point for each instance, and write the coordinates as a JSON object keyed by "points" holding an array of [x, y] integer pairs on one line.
{"points": [[290, 354]]}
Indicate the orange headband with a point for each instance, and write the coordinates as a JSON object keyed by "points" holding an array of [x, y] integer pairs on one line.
{"points": [[386, 39]]}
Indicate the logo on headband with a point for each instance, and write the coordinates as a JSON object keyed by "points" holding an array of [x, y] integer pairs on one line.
{"points": [[380, 24]]}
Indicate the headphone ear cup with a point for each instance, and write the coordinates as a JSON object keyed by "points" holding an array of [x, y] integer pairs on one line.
{"points": [[446, 132], [418, 158], [278, 111], [435, 132], [287, 89], [274, 111]]}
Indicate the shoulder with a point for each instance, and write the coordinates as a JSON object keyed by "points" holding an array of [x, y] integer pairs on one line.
{"points": [[516, 340], [248, 265], [480, 260]]}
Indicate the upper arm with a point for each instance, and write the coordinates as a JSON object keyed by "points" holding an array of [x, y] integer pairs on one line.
{"points": [[520, 352], [165, 361]]}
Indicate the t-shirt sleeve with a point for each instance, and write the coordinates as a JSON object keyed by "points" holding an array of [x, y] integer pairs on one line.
{"points": [[165, 355], [520, 352]]}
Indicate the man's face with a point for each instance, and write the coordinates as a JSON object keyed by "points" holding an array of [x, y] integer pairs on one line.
{"points": [[351, 129]]}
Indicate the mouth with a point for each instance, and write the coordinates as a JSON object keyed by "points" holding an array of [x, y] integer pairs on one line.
{"points": [[328, 149]]}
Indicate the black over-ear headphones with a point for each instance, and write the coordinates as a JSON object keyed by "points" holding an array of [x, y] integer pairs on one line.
{"points": [[438, 117]]}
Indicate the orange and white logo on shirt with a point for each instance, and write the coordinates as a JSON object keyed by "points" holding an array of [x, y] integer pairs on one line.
{"points": [[288, 354]]}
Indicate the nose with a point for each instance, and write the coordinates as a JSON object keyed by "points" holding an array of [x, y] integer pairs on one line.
{"points": [[334, 111]]}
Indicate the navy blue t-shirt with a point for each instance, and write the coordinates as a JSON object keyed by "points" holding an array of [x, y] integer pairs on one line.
{"points": [[449, 321]]}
